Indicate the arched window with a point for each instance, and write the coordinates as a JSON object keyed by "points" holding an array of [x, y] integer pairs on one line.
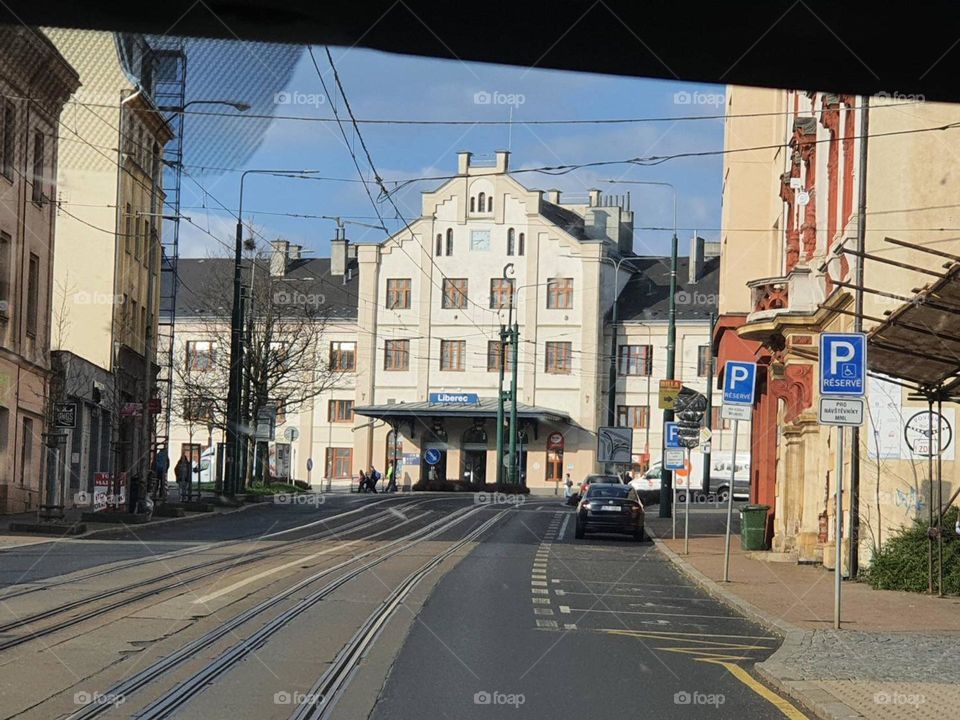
{"points": [[481, 202], [449, 241], [511, 242], [473, 204], [521, 244], [490, 204], [439, 250]]}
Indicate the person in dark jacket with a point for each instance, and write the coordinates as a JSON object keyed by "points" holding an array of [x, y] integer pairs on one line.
{"points": [[182, 471]]}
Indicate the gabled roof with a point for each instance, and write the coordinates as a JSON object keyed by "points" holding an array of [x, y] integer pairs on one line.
{"points": [[646, 296], [205, 285]]}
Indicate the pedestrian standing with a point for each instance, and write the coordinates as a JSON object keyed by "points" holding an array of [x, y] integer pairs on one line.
{"points": [[183, 471], [432, 475], [362, 482], [391, 477], [372, 477]]}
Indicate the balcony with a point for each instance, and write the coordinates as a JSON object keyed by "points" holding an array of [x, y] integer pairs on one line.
{"points": [[801, 291]]}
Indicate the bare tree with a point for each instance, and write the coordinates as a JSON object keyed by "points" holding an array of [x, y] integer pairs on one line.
{"points": [[286, 363]]}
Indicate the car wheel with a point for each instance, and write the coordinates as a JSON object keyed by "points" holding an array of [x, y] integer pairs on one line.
{"points": [[723, 494], [578, 532], [638, 534], [681, 497]]}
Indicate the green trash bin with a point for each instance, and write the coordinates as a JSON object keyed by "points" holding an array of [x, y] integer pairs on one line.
{"points": [[753, 527]]}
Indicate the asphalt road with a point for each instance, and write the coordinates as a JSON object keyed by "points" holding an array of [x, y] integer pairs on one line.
{"points": [[415, 606]]}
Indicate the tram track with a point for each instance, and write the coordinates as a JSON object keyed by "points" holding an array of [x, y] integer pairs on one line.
{"points": [[199, 680], [181, 578]]}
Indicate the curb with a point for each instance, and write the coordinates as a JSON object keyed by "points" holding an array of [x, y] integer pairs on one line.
{"points": [[106, 532], [807, 693]]}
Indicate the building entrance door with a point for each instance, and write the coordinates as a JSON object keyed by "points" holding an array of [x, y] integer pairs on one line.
{"points": [[473, 465]]}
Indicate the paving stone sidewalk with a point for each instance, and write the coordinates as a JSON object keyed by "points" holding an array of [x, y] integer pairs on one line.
{"points": [[897, 657]]}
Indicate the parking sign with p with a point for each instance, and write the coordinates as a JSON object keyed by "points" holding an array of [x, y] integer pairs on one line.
{"points": [[843, 364], [739, 382]]}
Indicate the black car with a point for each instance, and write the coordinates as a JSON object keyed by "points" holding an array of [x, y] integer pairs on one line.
{"points": [[610, 508], [593, 480]]}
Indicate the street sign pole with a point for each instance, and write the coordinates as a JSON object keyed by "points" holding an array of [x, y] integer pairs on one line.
{"points": [[838, 510], [733, 472], [686, 507]]}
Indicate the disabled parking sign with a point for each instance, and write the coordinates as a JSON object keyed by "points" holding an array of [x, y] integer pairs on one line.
{"points": [[843, 364]]}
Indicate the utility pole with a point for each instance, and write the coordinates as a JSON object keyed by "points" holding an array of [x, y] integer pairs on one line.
{"points": [[514, 464], [500, 413], [666, 487], [707, 466]]}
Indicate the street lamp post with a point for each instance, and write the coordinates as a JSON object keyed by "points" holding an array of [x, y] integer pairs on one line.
{"points": [[234, 390], [666, 487]]}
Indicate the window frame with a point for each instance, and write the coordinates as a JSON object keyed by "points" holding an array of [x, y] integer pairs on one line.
{"points": [[704, 360], [399, 292], [396, 355], [457, 299], [451, 350], [338, 353], [8, 140], [493, 356], [340, 410], [560, 293], [641, 416], [558, 364], [335, 458], [32, 320], [646, 359], [496, 293], [38, 167]]}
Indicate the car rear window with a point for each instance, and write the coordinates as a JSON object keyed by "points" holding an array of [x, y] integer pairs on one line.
{"points": [[603, 479], [607, 491]]}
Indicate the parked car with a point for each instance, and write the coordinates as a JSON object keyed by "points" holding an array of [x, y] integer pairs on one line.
{"points": [[593, 480], [607, 507]]}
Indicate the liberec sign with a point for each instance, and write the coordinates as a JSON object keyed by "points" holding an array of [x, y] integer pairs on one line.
{"points": [[445, 398]]}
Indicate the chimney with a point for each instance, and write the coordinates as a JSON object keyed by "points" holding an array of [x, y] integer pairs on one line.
{"points": [[502, 160], [279, 257], [594, 198], [295, 252], [696, 259], [553, 196], [338, 253], [463, 162]]}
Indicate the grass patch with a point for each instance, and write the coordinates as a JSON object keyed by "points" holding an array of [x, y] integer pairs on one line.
{"points": [[272, 489], [901, 564]]}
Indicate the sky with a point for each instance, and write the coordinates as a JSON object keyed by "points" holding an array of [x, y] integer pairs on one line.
{"points": [[284, 83]]}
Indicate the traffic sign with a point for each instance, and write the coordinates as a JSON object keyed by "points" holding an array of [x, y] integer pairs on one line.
{"points": [[841, 411], [843, 364], [920, 439], [736, 412], [739, 382], [674, 458], [669, 389], [431, 456], [671, 435]]}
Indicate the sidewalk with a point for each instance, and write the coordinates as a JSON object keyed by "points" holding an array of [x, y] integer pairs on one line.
{"points": [[896, 657]]}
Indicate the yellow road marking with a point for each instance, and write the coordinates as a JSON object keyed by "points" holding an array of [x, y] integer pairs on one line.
{"points": [[789, 710]]}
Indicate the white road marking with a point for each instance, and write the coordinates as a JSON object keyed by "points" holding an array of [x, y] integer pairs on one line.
{"points": [[538, 583], [565, 609], [569, 626], [563, 527]]}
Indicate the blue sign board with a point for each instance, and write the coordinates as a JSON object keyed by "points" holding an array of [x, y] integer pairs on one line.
{"points": [[445, 398], [739, 382], [843, 364], [431, 456], [671, 435]]}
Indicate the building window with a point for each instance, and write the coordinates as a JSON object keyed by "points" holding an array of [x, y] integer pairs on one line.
{"points": [[716, 421], [449, 241], [343, 356], [473, 204], [493, 356], [201, 354], [26, 451], [33, 295], [128, 230], [633, 416], [396, 355], [703, 361], [560, 293], [198, 410], [38, 173], [339, 463], [398, 294], [635, 360], [511, 241], [521, 244], [480, 240], [452, 354], [8, 144], [340, 411], [490, 204], [439, 248], [481, 202], [5, 241], [4, 430], [557, 358], [501, 293], [454, 293]]}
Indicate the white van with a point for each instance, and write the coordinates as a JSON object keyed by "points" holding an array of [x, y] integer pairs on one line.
{"points": [[648, 485]]}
